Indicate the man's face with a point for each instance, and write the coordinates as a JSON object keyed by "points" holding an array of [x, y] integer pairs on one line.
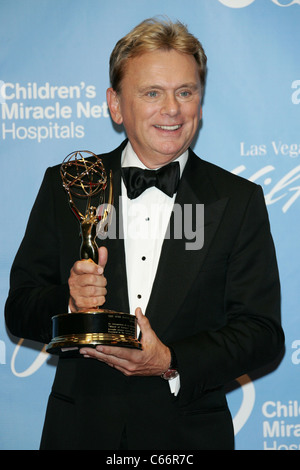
{"points": [[159, 105]]}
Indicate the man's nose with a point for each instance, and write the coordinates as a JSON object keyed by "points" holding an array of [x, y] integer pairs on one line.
{"points": [[170, 105]]}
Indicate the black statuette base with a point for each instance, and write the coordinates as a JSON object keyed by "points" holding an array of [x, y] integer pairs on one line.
{"points": [[71, 331]]}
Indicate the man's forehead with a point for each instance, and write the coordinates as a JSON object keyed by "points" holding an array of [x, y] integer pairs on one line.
{"points": [[155, 67]]}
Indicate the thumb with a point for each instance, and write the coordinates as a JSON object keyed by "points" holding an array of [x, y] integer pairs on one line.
{"points": [[102, 256], [143, 321]]}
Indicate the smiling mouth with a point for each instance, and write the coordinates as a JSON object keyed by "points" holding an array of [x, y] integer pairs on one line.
{"points": [[169, 128]]}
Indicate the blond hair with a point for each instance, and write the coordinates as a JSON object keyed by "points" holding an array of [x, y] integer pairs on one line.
{"points": [[151, 35]]}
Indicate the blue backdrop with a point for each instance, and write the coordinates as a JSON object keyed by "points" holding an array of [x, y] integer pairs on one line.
{"points": [[53, 77]]}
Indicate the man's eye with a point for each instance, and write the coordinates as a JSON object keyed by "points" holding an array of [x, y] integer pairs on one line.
{"points": [[185, 94], [152, 94]]}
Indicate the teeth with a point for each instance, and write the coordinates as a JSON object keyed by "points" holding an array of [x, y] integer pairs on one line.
{"points": [[169, 128]]}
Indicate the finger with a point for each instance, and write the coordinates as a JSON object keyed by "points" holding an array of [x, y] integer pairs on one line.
{"points": [[86, 267], [142, 320], [111, 352], [87, 286], [110, 356], [88, 352], [102, 256], [88, 280]]}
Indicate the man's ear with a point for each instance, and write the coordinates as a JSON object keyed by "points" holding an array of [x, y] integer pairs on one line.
{"points": [[113, 102]]}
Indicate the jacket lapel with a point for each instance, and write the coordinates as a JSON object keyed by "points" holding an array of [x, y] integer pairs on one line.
{"points": [[178, 266], [115, 270]]}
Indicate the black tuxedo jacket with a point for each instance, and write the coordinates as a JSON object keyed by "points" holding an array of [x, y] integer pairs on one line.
{"points": [[218, 307]]}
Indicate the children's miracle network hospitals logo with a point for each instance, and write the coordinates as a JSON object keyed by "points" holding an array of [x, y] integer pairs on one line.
{"points": [[2, 93]]}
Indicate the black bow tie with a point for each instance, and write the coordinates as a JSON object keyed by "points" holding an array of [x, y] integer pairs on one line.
{"points": [[138, 180]]}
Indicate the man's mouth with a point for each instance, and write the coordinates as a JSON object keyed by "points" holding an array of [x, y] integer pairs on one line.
{"points": [[169, 128]]}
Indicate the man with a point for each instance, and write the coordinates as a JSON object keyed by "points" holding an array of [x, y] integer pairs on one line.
{"points": [[210, 313]]}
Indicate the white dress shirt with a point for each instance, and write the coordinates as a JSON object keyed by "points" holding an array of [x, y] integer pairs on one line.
{"points": [[145, 221]]}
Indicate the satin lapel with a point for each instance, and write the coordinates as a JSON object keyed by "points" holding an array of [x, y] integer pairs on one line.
{"points": [[179, 266]]}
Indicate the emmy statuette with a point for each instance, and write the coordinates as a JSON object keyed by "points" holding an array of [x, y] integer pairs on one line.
{"points": [[84, 176]]}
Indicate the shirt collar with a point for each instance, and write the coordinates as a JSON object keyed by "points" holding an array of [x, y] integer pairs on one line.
{"points": [[130, 158]]}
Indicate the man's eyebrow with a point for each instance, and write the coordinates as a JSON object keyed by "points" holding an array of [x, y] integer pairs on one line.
{"points": [[150, 87], [192, 85]]}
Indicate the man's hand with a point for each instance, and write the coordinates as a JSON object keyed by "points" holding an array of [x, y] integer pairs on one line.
{"points": [[87, 283], [153, 359]]}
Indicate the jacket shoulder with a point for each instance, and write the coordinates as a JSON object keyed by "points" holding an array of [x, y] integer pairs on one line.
{"points": [[224, 182]]}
